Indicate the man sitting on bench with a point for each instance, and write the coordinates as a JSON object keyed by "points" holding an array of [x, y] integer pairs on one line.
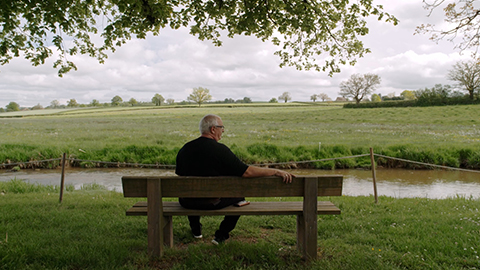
{"points": [[205, 156]]}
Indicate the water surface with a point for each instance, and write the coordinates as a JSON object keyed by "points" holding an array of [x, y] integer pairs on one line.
{"points": [[398, 183]]}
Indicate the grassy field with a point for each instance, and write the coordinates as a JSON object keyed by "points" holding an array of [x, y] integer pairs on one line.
{"points": [[447, 135], [89, 230]]}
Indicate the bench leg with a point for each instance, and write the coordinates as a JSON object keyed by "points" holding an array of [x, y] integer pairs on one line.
{"points": [[307, 222], [306, 238], [301, 234], [168, 231]]}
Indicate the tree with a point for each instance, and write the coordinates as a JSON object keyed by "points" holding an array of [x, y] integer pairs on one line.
{"points": [[158, 99], [408, 95], [133, 102], [323, 97], [200, 95], [72, 103], [467, 74], [2, 110], [376, 98], [462, 17], [285, 97], [170, 101], [314, 97], [55, 104], [303, 30], [95, 103], [359, 86], [13, 107], [247, 100], [273, 100], [37, 107], [433, 96], [116, 100]]}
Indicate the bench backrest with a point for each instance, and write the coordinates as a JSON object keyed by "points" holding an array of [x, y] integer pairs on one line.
{"points": [[179, 186]]}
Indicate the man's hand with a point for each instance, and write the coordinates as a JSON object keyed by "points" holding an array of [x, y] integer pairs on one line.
{"points": [[286, 176]]}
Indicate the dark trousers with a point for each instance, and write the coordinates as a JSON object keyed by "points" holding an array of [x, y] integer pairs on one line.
{"points": [[228, 223]]}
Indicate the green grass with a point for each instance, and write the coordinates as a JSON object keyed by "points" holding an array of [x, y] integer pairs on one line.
{"points": [[256, 133], [89, 230]]}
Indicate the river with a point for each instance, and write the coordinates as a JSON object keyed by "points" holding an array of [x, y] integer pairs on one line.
{"points": [[398, 183]]}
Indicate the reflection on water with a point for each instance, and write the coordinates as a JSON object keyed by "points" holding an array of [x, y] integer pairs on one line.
{"points": [[394, 183]]}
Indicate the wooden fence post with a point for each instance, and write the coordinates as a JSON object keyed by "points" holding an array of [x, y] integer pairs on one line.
{"points": [[374, 175], [62, 181]]}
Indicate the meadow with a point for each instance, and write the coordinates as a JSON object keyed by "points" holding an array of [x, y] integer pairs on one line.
{"points": [[260, 133], [89, 230]]}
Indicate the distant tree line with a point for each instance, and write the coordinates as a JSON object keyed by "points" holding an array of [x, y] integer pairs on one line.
{"points": [[198, 96], [439, 95], [231, 100], [467, 90]]}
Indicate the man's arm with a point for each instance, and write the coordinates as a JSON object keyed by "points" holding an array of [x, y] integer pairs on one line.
{"points": [[253, 171]]}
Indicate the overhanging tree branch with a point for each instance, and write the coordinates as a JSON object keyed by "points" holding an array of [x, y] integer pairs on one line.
{"points": [[312, 30]]}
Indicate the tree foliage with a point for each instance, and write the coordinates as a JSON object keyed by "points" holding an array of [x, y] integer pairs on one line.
{"points": [[407, 95], [37, 107], [95, 103], [323, 96], [200, 95], [116, 100], [158, 100], [72, 103], [467, 74], [314, 97], [310, 33], [132, 101], [285, 97], [55, 104], [246, 100], [435, 95], [376, 98], [359, 86], [462, 19], [13, 107]]}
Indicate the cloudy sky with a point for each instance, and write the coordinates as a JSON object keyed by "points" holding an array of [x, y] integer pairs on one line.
{"points": [[174, 62]]}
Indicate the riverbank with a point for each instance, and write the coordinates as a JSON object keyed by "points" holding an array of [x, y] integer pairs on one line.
{"points": [[89, 230]]}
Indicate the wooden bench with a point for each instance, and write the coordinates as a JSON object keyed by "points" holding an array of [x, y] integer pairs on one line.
{"points": [[159, 214]]}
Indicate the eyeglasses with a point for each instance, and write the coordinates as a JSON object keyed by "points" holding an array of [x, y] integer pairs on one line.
{"points": [[222, 127]]}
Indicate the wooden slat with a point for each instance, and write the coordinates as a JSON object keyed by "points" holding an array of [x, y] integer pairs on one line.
{"points": [[254, 208], [175, 186]]}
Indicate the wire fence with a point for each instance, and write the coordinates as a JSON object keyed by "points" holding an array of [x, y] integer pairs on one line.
{"points": [[99, 163], [64, 161]]}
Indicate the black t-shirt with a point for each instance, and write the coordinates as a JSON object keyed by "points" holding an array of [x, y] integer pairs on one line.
{"points": [[207, 157]]}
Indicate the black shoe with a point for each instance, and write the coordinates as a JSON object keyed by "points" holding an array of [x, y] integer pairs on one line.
{"points": [[197, 232]]}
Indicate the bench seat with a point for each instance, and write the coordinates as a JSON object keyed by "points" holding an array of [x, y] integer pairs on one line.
{"points": [[254, 208]]}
